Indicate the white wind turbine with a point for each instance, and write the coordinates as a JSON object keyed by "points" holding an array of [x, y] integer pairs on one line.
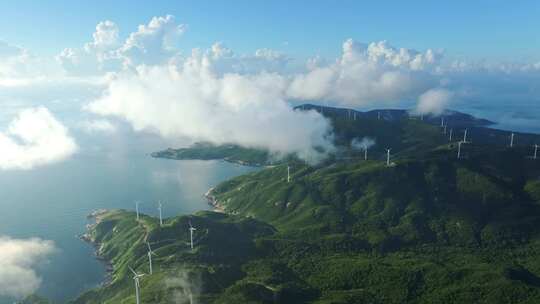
{"points": [[137, 208], [136, 278], [191, 229], [288, 174], [365, 151], [459, 149], [388, 157], [150, 253], [535, 151], [511, 140], [451, 132], [465, 136], [160, 209]]}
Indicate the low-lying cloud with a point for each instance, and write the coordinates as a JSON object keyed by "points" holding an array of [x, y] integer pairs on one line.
{"points": [[18, 259], [433, 101], [34, 138], [363, 143], [191, 100]]}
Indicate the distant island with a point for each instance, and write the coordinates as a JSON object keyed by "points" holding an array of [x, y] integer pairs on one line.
{"points": [[429, 228], [230, 153]]}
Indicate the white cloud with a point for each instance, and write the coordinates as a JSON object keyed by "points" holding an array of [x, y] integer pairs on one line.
{"points": [[367, 75], [363, 143], [98, 125], [18, 259], [34, 138], [97, 56], [154, 43], [190, 100], [433, 101]]}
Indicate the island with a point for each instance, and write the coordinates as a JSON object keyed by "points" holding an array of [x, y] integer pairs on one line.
{"points": [[431, 227]]}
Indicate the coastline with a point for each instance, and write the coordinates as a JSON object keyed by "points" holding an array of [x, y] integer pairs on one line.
{"points": [[97, 216], [225, 159], [212, 201]]}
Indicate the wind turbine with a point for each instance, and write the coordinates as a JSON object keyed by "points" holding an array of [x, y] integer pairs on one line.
{"points": [[136, 278], [511, 140], [137, 208], [459, 149], [388, 157], [191, 229], [451, 131], [442, 121], [365, 151], [160, 208], [150, 253], [465, 136], [288, 174], [535, 151]]}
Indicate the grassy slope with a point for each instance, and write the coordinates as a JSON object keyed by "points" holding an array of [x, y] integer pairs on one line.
{"points": [[430, 229]]}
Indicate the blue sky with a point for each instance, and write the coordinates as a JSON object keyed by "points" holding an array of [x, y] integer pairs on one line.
{"points": [[70, 65], [490, 30]]}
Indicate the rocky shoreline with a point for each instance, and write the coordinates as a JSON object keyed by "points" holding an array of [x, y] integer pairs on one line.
{"points": [[97, 216], [212, 201]]}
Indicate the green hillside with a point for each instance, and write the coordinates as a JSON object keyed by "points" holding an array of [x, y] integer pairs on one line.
{"points": [[429, 228]]}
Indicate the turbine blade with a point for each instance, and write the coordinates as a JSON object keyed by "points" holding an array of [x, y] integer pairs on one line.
{"points": [[132, 270]]}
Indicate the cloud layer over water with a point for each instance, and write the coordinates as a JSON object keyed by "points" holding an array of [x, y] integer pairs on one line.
{"points": [[18, 259], [35, 137], [214, 94]]}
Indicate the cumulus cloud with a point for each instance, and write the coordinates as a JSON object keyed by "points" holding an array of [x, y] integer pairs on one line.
{"points": [[191, 100], [34, 138], [433, 101], [366, 75], [18, 259], [97, 56], [152, 43]]}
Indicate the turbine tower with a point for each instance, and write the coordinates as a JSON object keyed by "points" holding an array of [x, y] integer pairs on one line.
{"points": [[450, 138], [535, 151], [136, 278], [511, 140], [459, 149], [137, 208], [191, 229], [288, 174], [365, 151], [465, 136], [150, 253], [442, 121], [160, 209], [388, 157]]}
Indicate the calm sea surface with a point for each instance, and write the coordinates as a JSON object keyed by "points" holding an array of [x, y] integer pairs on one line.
{"points": [[52, 203]]}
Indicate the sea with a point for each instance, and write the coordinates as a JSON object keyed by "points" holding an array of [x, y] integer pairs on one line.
{"points": [[52, 202]]}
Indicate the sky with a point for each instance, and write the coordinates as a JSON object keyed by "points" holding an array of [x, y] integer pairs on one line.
{"points": [[74, 74], [490, 30]]}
